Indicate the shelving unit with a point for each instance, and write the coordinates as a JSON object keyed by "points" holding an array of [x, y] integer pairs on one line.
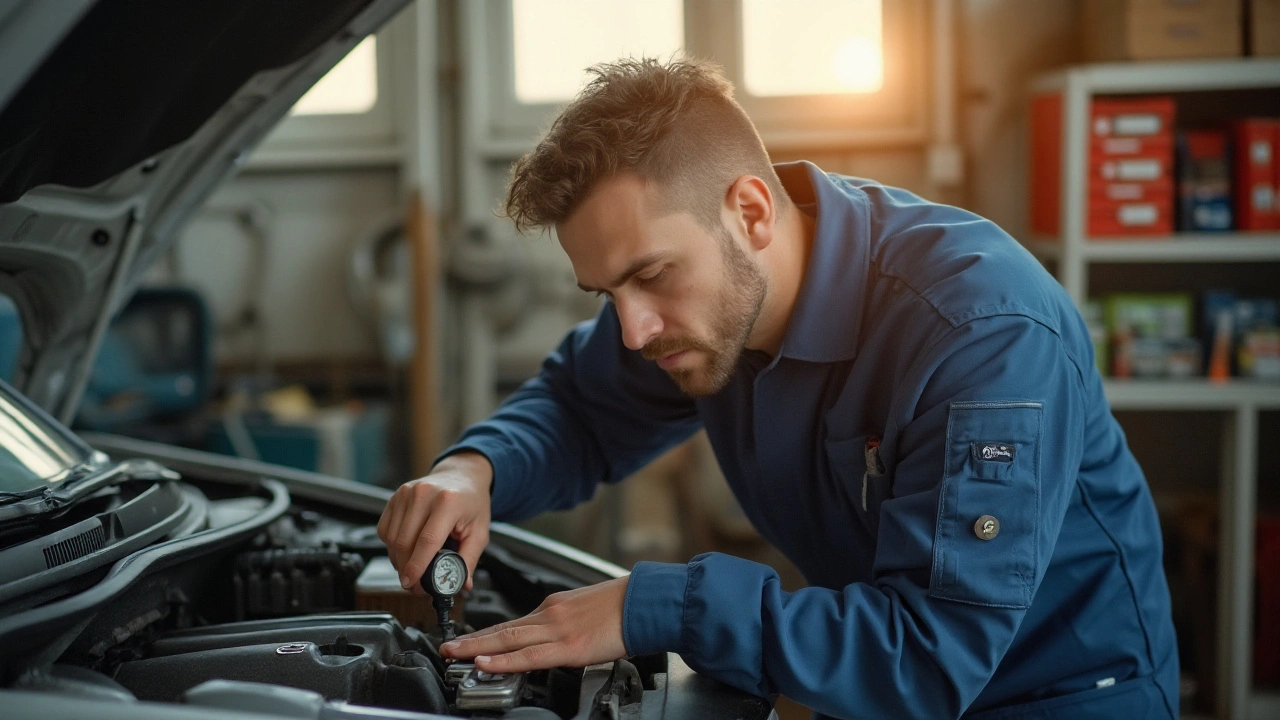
{"points": [[1183, 247], [1240, 401]]}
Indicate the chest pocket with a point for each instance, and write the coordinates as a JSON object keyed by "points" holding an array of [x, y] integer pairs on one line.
{"points": [[985, 546], [860, 476]]}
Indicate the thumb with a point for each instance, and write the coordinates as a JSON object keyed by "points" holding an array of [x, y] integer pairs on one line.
{"points": [[470, 548]]}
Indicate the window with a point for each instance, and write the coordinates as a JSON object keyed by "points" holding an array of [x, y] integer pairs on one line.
{"points": [[810, 73], [550, 49], [346, 117], [351, 87], [841, 51]]}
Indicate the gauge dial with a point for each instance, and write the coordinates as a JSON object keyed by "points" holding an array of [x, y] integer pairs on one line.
{"points": [[448, 573]]}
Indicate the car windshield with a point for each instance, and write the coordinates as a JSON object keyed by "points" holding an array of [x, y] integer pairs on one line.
{"points": [[34, 449]]}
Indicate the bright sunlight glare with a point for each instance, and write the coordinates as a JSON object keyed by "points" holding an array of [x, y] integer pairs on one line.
{"points": [[350, 87], [557, 40], [812, 47]]}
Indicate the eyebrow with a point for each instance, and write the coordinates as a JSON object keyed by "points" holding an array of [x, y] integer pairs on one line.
{"points": [[636, 266]]}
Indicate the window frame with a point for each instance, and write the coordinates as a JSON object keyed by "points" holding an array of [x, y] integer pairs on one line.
{"points": [[342, 138], [897, 114]]}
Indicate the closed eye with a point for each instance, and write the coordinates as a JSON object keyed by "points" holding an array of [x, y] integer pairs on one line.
{"points": [[647, 280]]}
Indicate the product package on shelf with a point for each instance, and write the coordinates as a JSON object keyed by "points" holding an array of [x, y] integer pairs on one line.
{"points": [[1241, 335], [1131, 145], [1130, 166], [1204, 181], [1256, 173], [1151, 335]]}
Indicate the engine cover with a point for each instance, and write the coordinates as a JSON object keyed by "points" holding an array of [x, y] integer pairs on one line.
{"points": [[360, 658]]}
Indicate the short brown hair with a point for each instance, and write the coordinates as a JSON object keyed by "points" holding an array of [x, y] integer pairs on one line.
{"points": [[673, 123]]}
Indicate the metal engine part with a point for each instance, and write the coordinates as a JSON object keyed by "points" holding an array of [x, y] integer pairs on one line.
{"points": [[479, 690]]}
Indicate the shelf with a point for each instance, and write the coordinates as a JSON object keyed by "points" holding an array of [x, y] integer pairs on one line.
{"points": [[1191, 394], [1166, 76], [1241, 401], [1183, 247], [1264, 705]]}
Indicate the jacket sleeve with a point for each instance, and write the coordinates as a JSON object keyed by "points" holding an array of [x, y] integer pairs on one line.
{"points": [[596, 412], [996, 432]]}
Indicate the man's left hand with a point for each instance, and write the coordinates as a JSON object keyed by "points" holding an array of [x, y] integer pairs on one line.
{"points": [[569, 629]]}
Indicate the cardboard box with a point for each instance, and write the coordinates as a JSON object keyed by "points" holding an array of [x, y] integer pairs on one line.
{"points": [[1162, 29], [1264, 27]]}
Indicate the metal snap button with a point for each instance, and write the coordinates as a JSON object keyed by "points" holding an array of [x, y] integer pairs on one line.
{"points": [[987, 527]]}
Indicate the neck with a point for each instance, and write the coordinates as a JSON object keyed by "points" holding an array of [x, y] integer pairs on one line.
{"points": [[784, 263]]}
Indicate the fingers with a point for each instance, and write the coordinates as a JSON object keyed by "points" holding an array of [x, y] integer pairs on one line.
{"points": [[424, 513], [389, 526], [505, 638], [470, 548], [534, 657], [408, 511], [424, 547]]}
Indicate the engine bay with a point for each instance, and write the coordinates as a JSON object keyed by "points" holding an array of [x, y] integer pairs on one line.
{"points": [[305, 617]]}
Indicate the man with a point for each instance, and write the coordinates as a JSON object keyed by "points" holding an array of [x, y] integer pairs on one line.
{"points": [[901, 398]]}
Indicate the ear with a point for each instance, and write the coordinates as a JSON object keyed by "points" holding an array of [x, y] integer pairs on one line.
{"points": [[751, 208]]}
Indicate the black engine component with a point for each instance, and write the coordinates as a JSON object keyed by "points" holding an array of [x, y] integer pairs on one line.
{"points": [[290, 581], [361, 658]]}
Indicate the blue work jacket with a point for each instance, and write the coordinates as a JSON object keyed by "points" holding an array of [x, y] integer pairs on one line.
{"points": [[932, 449]]}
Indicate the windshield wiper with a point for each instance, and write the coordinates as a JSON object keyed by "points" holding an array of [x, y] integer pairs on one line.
{"points": [[86, 469]]}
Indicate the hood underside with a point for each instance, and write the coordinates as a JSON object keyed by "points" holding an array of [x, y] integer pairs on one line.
{"points": [[117, 119]]}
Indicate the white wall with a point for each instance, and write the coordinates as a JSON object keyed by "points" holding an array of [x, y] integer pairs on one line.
{"points": [[313, 219]]}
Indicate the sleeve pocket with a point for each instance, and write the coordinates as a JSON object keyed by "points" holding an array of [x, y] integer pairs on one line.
{"points": [[991, 472]]}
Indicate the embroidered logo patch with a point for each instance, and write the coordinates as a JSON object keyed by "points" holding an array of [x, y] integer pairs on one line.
{"points": [[994, 452]]}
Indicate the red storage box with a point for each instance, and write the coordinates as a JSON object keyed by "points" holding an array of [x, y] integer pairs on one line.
{"points": [[1133, 169], [1102, 192], [1129, 166], [1255, 173], [1138, 117], [1046, 163], [1266, 628], [1131, 145], [1131, 218]]}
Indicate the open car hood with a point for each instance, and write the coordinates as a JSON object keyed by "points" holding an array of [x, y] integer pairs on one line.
{"points": [[118, 118]]}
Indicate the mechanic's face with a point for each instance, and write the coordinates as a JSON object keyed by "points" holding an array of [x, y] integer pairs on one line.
{"points": [[686, 298]]}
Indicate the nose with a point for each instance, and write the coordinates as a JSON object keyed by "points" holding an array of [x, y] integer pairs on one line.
{"points": [[640, 322]]}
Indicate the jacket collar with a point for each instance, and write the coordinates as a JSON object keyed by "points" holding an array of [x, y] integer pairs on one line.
{"points": [[827, 317]]}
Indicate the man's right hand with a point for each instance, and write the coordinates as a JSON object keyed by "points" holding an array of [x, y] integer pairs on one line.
{"points": [[451, 501]]}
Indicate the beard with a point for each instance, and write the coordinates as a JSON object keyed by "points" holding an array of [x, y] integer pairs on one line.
{"points": [[738, 303]]}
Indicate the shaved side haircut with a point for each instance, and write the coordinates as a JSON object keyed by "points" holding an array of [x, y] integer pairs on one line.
{"points": [[675, 124]]}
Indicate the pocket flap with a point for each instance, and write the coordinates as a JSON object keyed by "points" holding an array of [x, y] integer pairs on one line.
{"points": [[986, 542]]}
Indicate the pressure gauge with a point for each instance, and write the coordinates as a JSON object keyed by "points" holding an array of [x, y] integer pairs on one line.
{"points": [[446, 574], [443, 579]]}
